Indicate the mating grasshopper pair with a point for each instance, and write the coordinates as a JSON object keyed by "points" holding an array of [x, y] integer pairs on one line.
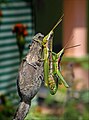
{"points": [[52, 72]]}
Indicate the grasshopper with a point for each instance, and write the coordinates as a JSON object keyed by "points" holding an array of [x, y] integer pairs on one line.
{"points": [[48, 39]]}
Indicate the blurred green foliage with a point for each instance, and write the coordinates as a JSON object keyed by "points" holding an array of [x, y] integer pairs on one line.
{"points": [[74, 109], [73, 113], [82, 61], [84, 96], [6, 110]]}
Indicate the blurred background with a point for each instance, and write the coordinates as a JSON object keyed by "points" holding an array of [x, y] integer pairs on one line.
{"points": [[40, 16]]}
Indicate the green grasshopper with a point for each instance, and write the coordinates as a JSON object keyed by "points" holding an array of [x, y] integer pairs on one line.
{"points": [[48, 39], [56, 77], [56, 59]]}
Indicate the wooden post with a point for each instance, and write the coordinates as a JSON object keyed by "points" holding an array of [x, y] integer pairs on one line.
{"points": [[74, 28]]}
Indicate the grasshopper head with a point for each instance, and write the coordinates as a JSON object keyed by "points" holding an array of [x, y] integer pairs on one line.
{"points": [[60, 54], [50, 35], [47, 37]]}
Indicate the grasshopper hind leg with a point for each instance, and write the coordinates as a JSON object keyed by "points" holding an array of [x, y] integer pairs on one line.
{"points": [[62, 79]]}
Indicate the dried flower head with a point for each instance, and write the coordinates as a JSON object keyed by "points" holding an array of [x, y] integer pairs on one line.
{"points": [[20, 29]]}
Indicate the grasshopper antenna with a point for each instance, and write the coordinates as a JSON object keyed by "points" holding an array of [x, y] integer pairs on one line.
{"points": [[57, 22], [70, 46], [73, 46], [68, 41], [51, 32]]}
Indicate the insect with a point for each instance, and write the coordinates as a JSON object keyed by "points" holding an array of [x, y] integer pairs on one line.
{"points": [[46, 54], [56, 59]]}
